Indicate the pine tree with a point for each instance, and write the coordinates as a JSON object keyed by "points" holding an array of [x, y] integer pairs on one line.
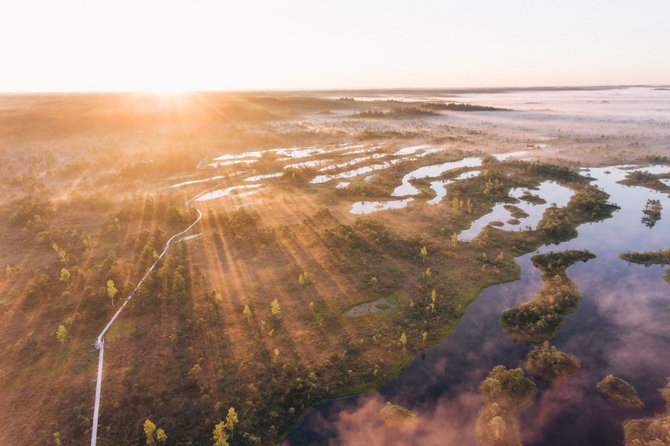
{"points": [[149, 429], [64, 275], [275, 308], [61, 334], [247, 310], [424, 253], [219, 435], [111, 290], [231, 419], [403, 339]]}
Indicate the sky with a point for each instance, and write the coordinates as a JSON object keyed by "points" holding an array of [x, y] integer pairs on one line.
{"points": [[166, 45]]}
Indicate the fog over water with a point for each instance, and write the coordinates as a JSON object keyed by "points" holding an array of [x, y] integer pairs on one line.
{"points": [[621, 326]]}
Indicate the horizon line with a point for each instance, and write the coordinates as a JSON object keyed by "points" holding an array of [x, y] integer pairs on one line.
{"points": [[497, 89]]}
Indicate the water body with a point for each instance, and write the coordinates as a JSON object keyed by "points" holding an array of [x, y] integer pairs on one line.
{"points": [[356, 172], [433, 171], [621, 327], [368, 207], [553, 194], [229, 191], [186, 183], [440, 187]]}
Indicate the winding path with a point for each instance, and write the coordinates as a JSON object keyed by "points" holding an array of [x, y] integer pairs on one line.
{"points": [[100, 341]]}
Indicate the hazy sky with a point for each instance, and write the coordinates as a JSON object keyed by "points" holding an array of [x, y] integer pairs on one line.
{"points": [[68, 45]]}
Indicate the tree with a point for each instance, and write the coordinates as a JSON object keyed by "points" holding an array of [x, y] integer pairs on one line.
{"points": [[275, 308], [301, 280], [424, 253], [231, 419], [247, 310], [403, 339], [61, 334], [111, 290], [149, 429], [497, 426], [61, 253], [64, 275], [426, 274], [161, 436], [178, 282], [219, 434], [432, 303]]}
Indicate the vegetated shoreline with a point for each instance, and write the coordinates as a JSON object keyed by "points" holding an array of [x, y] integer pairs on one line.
{"points": [[588, 204], [550, 364], [506, 392], [649, 430], [646, 179], [660, 257], [620, 392], [538, 320], [425, 109]]}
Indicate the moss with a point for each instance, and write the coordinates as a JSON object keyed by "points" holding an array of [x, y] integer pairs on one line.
{"points": [[619, 391], [550, 364]]}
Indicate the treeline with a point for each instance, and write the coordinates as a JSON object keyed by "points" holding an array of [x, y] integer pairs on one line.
{"points": [[462, 107], [400, 112]]}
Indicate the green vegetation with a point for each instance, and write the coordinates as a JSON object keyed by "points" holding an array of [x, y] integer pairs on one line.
{"points": [[532, 198], [652, 213], [619, 391], [645, 179], [660, 257], [506, 392], [454, 106], [516, 212], [402, 112], [550, 364], [398, 417], [650, 431], [399, 110], [154, 436], [537, 321]]}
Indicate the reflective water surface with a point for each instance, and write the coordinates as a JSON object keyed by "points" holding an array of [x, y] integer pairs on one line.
{"points": [[622, 326]]}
